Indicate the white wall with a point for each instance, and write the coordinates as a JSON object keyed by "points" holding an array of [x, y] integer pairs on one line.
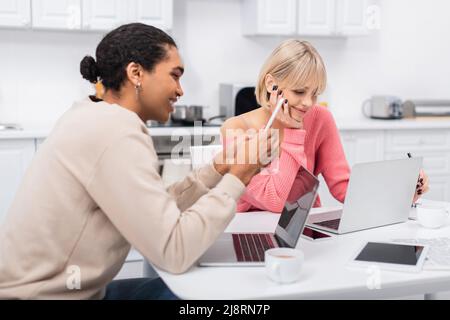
{"points": [[408, 57], [40, 75]]}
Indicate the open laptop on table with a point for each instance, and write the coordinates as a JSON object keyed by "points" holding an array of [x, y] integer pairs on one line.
{"points": [[378, 194], [247, 249]]}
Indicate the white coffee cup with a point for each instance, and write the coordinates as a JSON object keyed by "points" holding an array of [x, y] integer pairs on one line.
{"points": [[283, 265], [432, 216]]}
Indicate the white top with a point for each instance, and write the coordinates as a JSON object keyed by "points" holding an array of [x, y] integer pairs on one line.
{"points": [[325, 274]]}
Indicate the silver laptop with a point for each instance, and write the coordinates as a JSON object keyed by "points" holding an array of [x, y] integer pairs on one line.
{"points": [[247, 249], [378, 194]]}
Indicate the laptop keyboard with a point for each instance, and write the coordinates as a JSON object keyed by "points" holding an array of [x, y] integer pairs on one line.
{"points": [[250, 247], [332, 224]]}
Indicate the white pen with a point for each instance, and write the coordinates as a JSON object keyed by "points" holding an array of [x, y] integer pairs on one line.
{"points": [[274, 114]]}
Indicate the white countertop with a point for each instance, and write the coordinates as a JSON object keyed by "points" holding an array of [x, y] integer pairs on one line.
{"points": [[414, 123], [184, 131], [33, 133], [24, 134], [342, 123], [325, 275]]}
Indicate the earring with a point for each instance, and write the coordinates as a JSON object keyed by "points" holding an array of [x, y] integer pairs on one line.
{"points": [[138, 88]]}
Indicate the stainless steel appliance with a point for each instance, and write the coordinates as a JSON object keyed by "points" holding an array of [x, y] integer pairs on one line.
{"points": [[187, 115], [428, 108], [383, 107], [236, 99]]}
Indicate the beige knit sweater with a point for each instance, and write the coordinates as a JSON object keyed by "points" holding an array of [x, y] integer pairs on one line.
{"points": [[91, 191]]}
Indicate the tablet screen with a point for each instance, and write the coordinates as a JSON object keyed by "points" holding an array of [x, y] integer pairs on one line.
{"points": [[390, 253]]}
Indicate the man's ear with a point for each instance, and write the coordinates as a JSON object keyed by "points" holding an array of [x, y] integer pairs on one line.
{"points": [[134, 73]]}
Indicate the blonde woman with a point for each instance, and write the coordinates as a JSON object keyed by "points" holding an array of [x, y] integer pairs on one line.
{"points": [[308, 134]]}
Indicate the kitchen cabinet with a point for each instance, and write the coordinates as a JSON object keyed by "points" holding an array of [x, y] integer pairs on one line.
{"points": [[316, 17], [363, 145], [15, 156], [433, 145], [108, 14], [359, 146], [268, 17], [15, 13], [158, 13], [56, 14], [332, 17], [103, 14], [38, 143], [305, 17], [417, 140], [100, 15], [351, 17]]}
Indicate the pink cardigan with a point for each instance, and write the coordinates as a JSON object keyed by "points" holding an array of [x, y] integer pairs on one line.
{"points": [[318, 148]]}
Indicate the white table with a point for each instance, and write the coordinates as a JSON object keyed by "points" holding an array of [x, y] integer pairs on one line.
{"points": [[325, 275]]}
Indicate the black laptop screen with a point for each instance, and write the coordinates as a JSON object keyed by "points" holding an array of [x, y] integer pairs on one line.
{"points": [[294, 215]]}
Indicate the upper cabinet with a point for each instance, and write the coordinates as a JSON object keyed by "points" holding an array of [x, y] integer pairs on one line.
{"points": [[108, 14], [95, 15], [362, 146], [351, 17], [158, 13], [276, 17], [316, 17], [56, 14], [103, 14], [332, 17], [15, 157], [15, 13], [305, 17]]}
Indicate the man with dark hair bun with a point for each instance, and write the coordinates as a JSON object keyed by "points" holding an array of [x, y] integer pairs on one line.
{"points": [[93, 189]]}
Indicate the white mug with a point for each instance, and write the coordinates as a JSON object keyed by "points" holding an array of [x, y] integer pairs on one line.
{"points": [[431, 215], [283, 265]]}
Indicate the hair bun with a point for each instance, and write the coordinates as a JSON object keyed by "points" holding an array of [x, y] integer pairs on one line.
{"points": [[88, 69]]}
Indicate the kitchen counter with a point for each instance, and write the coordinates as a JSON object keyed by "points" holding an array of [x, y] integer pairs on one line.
{"points": [[32, 133], [24, 134], [342, 123], [414, 123], [184, 131]]}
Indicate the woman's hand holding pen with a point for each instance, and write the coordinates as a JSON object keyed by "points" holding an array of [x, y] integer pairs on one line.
{"points": [[284, 116], [422, 186]]}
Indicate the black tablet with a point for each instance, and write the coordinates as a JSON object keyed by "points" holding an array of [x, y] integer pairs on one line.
{"points": [[392, 256]]}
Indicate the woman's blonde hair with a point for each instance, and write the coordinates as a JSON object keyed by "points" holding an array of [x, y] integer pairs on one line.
{"points": [[293, 63]]}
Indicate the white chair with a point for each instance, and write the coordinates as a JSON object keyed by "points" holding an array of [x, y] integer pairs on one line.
{"points": [[203, 155]]}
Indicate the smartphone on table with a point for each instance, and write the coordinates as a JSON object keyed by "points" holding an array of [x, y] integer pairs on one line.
{"points": [[315, 235]]}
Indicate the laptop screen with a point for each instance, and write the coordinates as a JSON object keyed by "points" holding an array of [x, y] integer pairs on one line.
{"points": [[294, 215]]}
